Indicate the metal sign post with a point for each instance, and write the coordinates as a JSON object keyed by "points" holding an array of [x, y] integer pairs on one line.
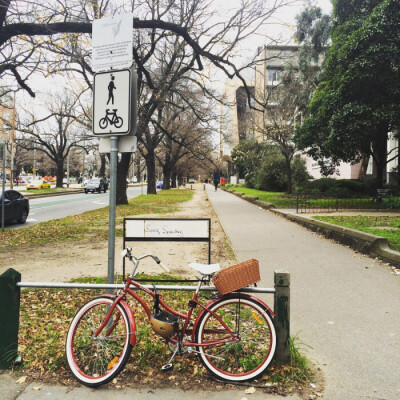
{"points": [[3, 185], [114, 98], [112, 209]]}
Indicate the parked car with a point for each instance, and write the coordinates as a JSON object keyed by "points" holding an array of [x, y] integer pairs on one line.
{"points": [[95, 185], [38, 184], [191, 180], [16, 206], [160, 185]]}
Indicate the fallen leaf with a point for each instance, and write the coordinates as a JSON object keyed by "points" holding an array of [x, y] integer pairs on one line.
{"points": [[250, 390], [22, 379], [37, 388]]}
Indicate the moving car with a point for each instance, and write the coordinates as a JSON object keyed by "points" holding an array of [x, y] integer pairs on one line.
{"points": [[38, 184], [96, 185], [16, 206]]}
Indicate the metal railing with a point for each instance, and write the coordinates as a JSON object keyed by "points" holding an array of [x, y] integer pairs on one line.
{"points": [[10, 291], [182, 288], [309, 203]]}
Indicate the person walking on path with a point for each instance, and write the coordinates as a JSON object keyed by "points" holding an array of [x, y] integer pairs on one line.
{"points": [[216, 178]]}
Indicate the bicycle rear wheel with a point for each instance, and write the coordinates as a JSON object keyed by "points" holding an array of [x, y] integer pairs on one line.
{"points": [[97, 360], [118, 122], [246, 358]]}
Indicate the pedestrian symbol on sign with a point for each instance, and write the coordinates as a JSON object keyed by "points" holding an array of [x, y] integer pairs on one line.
{"points": [[111, 88]]}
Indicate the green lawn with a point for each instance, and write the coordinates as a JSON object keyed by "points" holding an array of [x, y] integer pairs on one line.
{"points": [[92, 223], [278, 199], [385, 226]]}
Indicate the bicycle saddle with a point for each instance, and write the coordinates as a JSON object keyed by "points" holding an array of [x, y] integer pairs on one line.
{"points": [[205, 269]]}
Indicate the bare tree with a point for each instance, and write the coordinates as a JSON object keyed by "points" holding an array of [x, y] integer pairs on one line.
{"points": [[172, 37], [57, 131]]}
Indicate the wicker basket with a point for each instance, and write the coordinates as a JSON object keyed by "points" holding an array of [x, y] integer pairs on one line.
{"points": [[237, 276]]}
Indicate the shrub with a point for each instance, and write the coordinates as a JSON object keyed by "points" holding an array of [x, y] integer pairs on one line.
{"points": [[342, 187]]}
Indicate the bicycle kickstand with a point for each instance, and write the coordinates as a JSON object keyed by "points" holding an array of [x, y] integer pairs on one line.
{"points": [[168, 367]]}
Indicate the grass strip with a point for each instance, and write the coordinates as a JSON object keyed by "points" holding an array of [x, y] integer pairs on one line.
{"points": [[278, 199], [92, 223], [385, 226]]}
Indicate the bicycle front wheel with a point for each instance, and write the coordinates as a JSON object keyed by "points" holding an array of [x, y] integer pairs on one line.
{"points": [[103, 123], [97, 360], [246, 358]]}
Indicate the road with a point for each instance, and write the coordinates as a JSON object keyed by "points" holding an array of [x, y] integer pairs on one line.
{"points": [[344, 306], [47, 208]]}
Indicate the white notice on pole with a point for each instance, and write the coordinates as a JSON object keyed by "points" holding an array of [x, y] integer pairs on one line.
{"points": [[112, 41]]}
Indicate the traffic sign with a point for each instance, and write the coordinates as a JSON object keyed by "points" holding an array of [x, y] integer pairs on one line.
{"points": [[112, 41], [112, 103]]}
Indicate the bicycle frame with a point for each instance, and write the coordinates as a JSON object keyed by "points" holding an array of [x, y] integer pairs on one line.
{"points": [[120, 299]]}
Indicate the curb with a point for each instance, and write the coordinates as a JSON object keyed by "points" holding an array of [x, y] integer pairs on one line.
{"points": [[39, 195], [361, 241]]}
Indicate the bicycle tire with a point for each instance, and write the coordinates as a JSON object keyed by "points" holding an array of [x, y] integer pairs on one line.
{"points": [[103, 123], [96, 361], [246, 359], [118, 122]]}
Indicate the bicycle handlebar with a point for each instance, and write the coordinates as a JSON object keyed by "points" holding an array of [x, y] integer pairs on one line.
{"points": [[128, 253], [162, 265]]}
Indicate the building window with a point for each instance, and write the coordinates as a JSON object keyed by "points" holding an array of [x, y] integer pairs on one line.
{"points": [[274, 75]]}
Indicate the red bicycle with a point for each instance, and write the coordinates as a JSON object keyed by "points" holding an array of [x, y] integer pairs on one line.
{"points": [[233, 334]]}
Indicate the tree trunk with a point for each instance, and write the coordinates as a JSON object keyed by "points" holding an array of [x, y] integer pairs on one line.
{"points": [[60, 172], [363, 169], [173, 179], [151, 172], [103, 161], [288, 174], [122, 172], [167, 171], [380, 152]]}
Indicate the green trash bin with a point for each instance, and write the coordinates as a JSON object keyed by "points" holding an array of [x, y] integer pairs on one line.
{"points": [[9, 314]]}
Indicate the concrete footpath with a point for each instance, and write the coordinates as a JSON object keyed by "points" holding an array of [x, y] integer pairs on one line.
{"points": [[345, 307], [9, 390]]}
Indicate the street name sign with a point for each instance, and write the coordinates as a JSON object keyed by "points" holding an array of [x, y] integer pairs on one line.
{"points": [[112, 41], [112, 103]]}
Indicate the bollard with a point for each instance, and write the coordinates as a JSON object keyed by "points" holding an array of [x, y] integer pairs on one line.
{"points": [[9, 312], [282, 318]]}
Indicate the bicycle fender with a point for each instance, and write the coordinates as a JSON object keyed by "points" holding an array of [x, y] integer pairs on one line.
{"points": [[227, 296], [131, 317]]}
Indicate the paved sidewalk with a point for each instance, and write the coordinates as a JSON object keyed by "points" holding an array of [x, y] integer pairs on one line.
{"points": [[344, 306], [9, 390]]}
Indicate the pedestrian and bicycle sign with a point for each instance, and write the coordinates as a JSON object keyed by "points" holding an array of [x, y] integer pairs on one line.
{"points": [[112, 103]]}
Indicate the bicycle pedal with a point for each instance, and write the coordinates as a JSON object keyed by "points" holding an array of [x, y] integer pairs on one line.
{"points": [[167, 367]]}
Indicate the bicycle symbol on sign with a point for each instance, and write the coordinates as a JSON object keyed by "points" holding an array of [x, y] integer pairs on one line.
{"points": [[111, 118]]}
